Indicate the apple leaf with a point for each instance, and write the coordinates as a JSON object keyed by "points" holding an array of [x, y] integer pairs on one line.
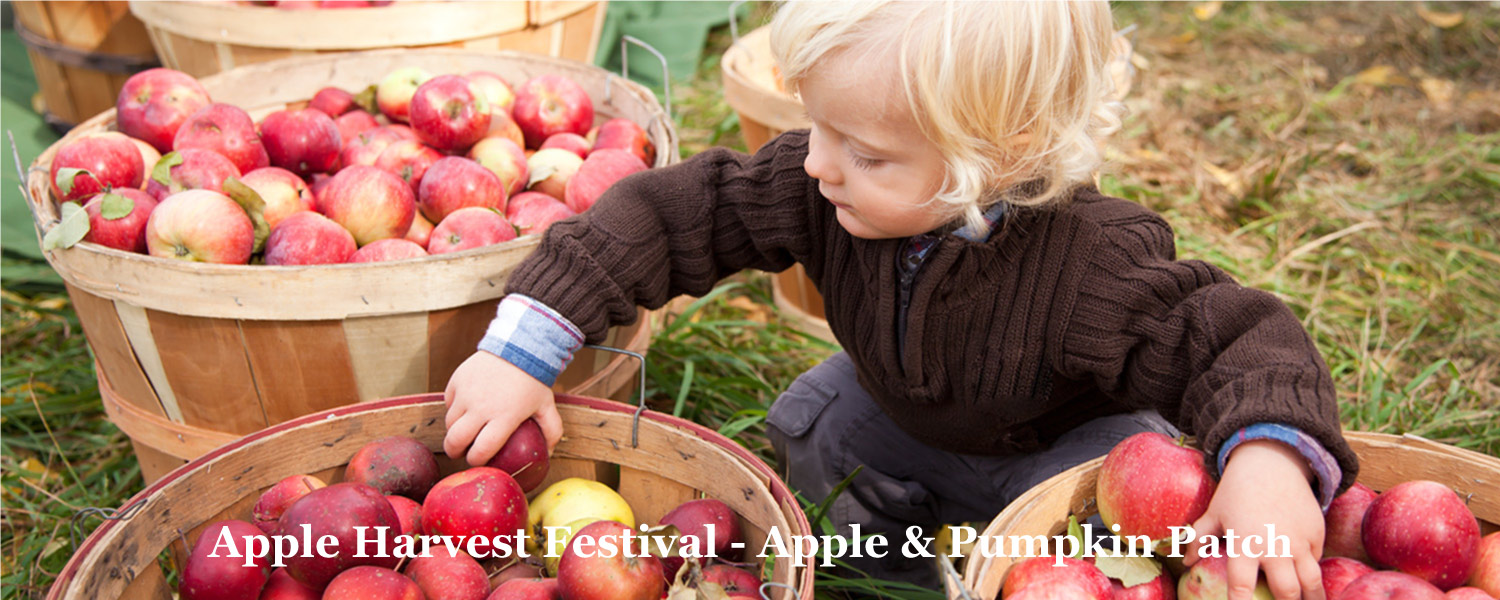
{"points": [[1075, 531], [66, 177], [162, 172], [115, 206], [365, 99], [70, 230], [254, 206], [664, 536], [1130, 570], [540, 172]]}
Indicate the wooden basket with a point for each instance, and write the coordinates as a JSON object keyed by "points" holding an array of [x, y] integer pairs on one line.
{"points": [[82, 53], [1385, 460], [192, 355], [675, 461], [203, 38]]}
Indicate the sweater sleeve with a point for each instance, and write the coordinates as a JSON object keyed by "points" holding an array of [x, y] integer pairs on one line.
{"points": [[1182, 337], [672, 231]]}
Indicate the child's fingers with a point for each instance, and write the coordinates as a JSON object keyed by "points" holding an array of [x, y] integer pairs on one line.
{"points": [[1242, 575], [460, 433], [1281, 578], [1310, 575], [455, 412], [551, 424], [1207, 525], [490, 440]]}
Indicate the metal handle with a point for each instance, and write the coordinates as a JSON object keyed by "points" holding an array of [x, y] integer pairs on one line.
{"points": [[952, 573], [31, 203], [734, 21], [765, 595], [640, 407], [108, 514], [666, 77]]}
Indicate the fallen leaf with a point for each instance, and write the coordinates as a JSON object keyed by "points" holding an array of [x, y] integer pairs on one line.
{"points": [[1381, 76], [1229, 180], [1130, 570], [1207, 10], [1439, 91], [1442, 20]]}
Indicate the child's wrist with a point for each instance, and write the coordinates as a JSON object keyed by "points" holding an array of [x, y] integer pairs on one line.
{"points": [[1270, 454]]}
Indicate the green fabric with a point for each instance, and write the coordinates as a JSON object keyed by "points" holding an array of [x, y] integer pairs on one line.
{"points": [[32, 136], [679, 30]]}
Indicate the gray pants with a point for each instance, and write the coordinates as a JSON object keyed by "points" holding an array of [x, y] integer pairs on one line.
{"points": [[825, 425]]}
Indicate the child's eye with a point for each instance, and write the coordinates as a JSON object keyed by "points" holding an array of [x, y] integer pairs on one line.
{"points": [[862, 162]]}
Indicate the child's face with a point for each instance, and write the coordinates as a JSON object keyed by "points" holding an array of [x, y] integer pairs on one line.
{"points": [[867, 153]]}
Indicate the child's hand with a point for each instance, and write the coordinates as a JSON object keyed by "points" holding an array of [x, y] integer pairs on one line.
{"points": [[1265, 483], [487, 399]]}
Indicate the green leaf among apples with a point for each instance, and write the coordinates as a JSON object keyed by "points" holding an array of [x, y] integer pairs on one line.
{"points": [[365, 99], [66, 177], [254, 206], [115, 206], [70, 230], [162, 172], [1130, 570]]}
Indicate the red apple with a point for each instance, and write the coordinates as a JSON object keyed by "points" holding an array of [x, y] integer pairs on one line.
{"points": [[388, 249], [1468, 593], [454, 182], [517, 570], [1339, 572], [408, 511], [200, 226], [394, 465], [316, 184], [125, 231], [524, 455], [149, 155], [1088, 581], [365, 148], [95, 163], [226, 129], [371, 203], [479, 501], [735, 581], [283, 192], [502, 126], [551, 104], [450, 113], [276, 499], [470, 227], [420, 232], [506, 160], [1148, 484], [599, 171], [496, 91], [332, 101], [372, 583], [624, 134], [154, 103], [215, 569], [1208, 579], [308, 238], [1341, 524], [190, 169], [533, 212], [394, 94], [337, 510], [589, 571], [550, 170], [1422, 528], [571, 142], [409, 160], [527, 589], [1161, 588], [449, 575], [301, 141], [692, 519], [1390, 585], [281, 586], [405, 131], [1487, 565], [353, 123]]}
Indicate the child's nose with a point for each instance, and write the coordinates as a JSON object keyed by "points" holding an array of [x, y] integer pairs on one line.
{"points": [[818, 164]]}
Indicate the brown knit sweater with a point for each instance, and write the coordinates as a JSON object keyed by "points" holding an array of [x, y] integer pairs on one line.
{"points": [[1063, 315]]}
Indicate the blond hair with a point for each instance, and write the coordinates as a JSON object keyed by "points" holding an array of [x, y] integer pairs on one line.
{"points": [[1008, 91]]}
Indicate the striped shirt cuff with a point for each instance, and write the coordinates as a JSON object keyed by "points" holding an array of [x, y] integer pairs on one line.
{"points": [[533, 337], [1323, 464]]}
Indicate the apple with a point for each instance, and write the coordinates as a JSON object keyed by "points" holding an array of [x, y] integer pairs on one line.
{"points": [[332, 101], [1487, 565], [1390, 585], [527, 589], [517, 570], [394, 93], [569, 141], [524, 455], [154, 103], [1422, 528], [1468, 593], [408, 511], [1161, 588], [497, 92], [226, 129], [589, 571], [736, 582], [120, 231], [533, 212], [387, 250], [1086, 579], [283, 192], [468, 228], [450, 113], [394, 465], [420, 232], [479, 501], [190, 169], [569, 501], [409, 160], [212, 572], [550, 170], [624, 134], [281, 586], [1339, 572], [1208, 579], [95, 163], [149, 155], [454, 182], [446, 575], [506, 160], [551, 104], [405, 131], [504, 127], [301, 141], [599, 171], [276, 499], [371, 203], [1342, 523], [372, 583], [692, 519], [364, 149], [353, 123], [308, 238], [1148, 483], [336, 511], [200, 226]]}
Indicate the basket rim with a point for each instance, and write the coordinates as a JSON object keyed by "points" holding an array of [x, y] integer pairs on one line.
{"points": [[780, 493]]}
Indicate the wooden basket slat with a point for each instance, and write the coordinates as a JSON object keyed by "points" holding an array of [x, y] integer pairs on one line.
{"points": [[388, 354], [651, 495], [149, 584], [205, 358], [73, 93], [455, 333], [154, 463], [299, 367], [111, 348]]}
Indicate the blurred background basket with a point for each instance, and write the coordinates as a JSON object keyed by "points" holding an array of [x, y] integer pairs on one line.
{"points": [[82, 53], [675, 461], [190, 356]]}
